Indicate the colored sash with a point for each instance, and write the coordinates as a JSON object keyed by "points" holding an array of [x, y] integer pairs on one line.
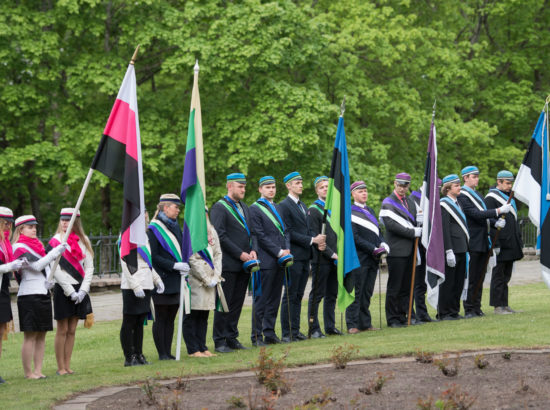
{"points": [[21, 249], [68, 263], [233, 210], [456, 213], [143, 251], [6, 251], [502, 198], [273, 217], [320, 206], [473, 196], [389, 201], [166, 239], [369, 223], [397, 213]]}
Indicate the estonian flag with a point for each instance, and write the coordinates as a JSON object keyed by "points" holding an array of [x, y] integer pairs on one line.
{"points": [[532, 188], [339, 204], [119, 157]]}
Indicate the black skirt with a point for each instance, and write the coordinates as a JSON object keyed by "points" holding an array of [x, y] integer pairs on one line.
{"points": [[65, 308], [35, 313], [5, 302], [162, 299], [132, 305]]}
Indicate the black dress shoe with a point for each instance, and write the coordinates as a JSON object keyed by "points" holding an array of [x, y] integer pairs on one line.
{"points": [[397, 324], [236, 345], [426, 319], [286, 339], [131, 361], [223, 349], [258, 343], [2, 381], [171, 357], [470, 315], [317, 335], [449, 317], [272, 340], [334, 332], [164, 357], [456, 315], [480, 313], [300, 336], [141, 359]]}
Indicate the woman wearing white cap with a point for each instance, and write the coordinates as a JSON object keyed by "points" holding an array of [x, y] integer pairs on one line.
{"points": [[73, 277], [7, 264], [33, 298]]}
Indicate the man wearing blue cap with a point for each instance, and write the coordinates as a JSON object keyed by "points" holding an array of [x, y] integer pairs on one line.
{"points": [[273, 248], [478, 216], [398, 213], [231, 218], [324, 270], [509, 245], [294, 214]]}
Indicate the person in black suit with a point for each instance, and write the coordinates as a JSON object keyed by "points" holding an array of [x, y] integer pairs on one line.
{"points": [[325, 285], [455, 241], [370, 246], [294, 214], [398, 216], [479, 217], [232, 221], [273, 244], [508, 247]]}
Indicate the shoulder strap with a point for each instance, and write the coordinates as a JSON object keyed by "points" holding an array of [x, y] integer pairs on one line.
{"points": [[166, 239], [236, 214], [456, 213], [270, 216]]}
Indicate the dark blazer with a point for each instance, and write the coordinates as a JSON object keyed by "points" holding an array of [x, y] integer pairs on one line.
{"points": [[477, 223], [366, 241], [270, 240], [454, 237], [399, 238], [234, 239], [509, 240], [315, 223], [163, 263], [298, 228]]}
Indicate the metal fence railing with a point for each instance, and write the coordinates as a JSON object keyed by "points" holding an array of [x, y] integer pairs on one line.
{"points": [[528, 232]]}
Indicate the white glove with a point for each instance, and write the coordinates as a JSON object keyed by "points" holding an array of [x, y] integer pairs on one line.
{"points": [[451, 260], [59, 249], [80, 297], [501, 223], [160, 287], [182, 267], [386, 247], [213, 283], [420, 219], [417, 232], [497, 251], [18, 264], [139, 293], [74, 296], [49, 284], [504, 209]]}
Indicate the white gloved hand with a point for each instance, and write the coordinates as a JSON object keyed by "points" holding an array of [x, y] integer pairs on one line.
{"points": [[80, 297], [501, 223], [417, 232], [140, 293], [74, 296], [386, 247], [504, 209], [18, 263], [497, 251], [213, 283], [59, 249], [49, 284], [420, 219], [450, 256], [160, 287], [183, 267]]}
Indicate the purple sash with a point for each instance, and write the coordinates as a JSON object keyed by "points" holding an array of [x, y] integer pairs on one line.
{"points": [[369, 216], [389, 201]]}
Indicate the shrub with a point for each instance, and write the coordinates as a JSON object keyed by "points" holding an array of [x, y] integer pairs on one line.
{"points": [[269, 372], [447, 368], [342, 354], [375, 385]]}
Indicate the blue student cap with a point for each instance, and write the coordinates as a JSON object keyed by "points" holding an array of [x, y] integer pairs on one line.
{"points": [[451, 178], [504, 174], [469, 170], [292, 176], [266, 180], [320, 179], [236, 177]]}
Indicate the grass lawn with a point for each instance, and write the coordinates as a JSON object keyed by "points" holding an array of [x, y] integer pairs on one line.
{"points": [[98, 359]]}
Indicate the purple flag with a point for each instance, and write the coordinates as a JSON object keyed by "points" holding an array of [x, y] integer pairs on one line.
{"points": [[432, 231]]}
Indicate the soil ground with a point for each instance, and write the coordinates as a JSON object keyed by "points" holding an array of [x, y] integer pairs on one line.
{"points": [[520, 382]]}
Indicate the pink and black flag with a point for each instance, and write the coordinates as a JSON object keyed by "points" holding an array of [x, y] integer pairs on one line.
{"points": [[432, 231], [119, 158]]}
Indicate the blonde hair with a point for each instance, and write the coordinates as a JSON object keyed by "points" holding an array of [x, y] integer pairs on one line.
{"points": [[79, 231], [4, 223], [17, 234]]}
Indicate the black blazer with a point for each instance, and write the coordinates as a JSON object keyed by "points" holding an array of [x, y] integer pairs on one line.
{"points": [[270, 240], [163, 263], [509, 240], [298, 228], [315, 223], [234, 239], [399, 238], [454, 237], [366, 241], [477, 223]]}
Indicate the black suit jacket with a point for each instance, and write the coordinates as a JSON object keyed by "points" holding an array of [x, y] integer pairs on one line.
{"points": [[454, 237], [399, 238], [315, 223], [366, 241], [270, 240], [477, 223], [234, 239], [298, 228], [163, 263]]}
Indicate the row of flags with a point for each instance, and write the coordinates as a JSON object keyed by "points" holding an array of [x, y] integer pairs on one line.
{"points": [[119, 157]]}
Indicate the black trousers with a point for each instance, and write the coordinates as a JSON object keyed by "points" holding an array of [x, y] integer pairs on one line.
{"points": [[226, 324], [131, 334], [324, 287], [398, 288], [499, 283], [476, 275], [163, 328], [420, 288], [451, 290], [195, 326], [266, 306], [358, 313], [299, 274]]}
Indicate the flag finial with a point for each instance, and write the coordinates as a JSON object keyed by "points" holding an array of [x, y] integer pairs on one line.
{"points": [[343, 107], [196, 68], [133, 60]]}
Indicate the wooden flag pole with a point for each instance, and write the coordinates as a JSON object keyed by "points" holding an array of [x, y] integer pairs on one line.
{"points": [[412, 281]]}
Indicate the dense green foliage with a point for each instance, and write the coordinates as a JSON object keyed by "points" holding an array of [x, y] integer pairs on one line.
{"points": [[273, 75]]}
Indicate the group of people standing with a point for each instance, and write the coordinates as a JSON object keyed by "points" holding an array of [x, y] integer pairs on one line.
{"points": [[24, 254]]}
